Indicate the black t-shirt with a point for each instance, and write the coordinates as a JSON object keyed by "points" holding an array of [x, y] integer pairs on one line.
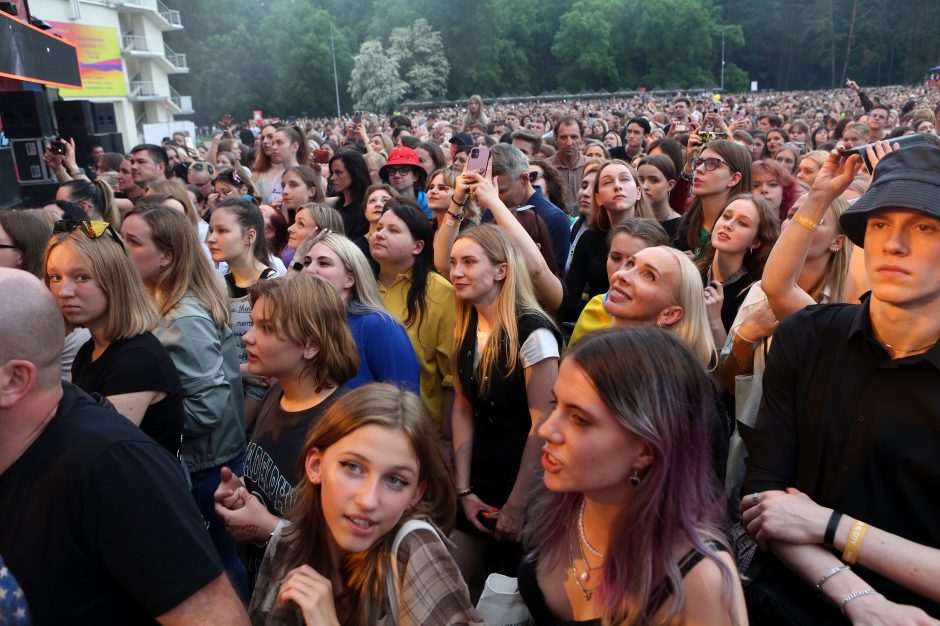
{"points": [[354, 219], [98, 523], [588, 272], [132, 365], [271, 456]]}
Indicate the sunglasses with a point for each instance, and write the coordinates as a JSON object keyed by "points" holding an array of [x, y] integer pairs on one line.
{"points": [[92, 228], [201, 166], [533, 176]]}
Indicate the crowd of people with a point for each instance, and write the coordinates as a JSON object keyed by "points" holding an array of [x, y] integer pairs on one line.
{"points": [[660, 359]]}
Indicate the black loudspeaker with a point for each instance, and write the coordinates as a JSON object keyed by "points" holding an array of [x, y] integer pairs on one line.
{"points": [[75, 117], [26, 114], [9, 187], [105, 122], [111, 142], [30, 168]]}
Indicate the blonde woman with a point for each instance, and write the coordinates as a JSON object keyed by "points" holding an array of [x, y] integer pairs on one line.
{"points": [[505, 357], [194, 314], [97, 287]]}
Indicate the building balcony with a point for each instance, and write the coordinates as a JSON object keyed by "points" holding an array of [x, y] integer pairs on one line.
{"points": [[176, 60], [183, 104], [142, 91], [165, 17]]}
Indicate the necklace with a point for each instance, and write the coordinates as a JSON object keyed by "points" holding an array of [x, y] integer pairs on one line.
{"points": [[905, 350], [580, 577], [583, 536]]}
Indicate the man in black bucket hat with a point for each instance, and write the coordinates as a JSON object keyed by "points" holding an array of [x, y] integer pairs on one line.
{"points": [[844, 459]]}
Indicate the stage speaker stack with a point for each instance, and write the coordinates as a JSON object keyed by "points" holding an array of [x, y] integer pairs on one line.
{"points": [[28, 122], [89, 124]]}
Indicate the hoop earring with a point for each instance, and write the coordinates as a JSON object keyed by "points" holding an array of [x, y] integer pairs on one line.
{"points": [[635, 479]]}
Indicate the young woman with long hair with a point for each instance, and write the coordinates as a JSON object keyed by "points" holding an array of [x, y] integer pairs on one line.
{"points": [[721, 171], [236, 238], [630, 529], [300, 185], [625, 239], [299, 339], [349, 176], [420, 298], [505, 354], [442, 184], [354, 551], [385, 351], [95, 197], [97, 287], [734, 257], [264, 169], [194, 315], [658, 176], [288, 149], [23, 239], [377, 196], [616, 196]]}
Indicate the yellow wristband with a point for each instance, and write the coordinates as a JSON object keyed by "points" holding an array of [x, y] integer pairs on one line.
{"points": [[801, 219], [854, 542]]}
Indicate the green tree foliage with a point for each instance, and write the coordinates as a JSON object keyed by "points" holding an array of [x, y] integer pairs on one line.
{"points": [[375, 84], [275, 54], [421, 59]]}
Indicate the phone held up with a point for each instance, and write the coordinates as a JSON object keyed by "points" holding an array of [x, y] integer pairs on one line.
{"points": [[904, 142], [58, 146], [479, 157]]}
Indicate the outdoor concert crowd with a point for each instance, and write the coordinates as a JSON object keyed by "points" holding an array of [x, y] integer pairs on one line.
{"points": [[659, 359]]}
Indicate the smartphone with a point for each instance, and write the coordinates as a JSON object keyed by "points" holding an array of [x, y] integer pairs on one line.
{"points": [[680, 127], [488, 521], [357, 117], [479, 157], [321, 156], [58, 146], [904, 142], [739, 114]]}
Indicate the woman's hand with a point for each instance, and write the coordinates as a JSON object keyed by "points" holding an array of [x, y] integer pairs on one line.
{"points": [[482, 190], [877, 151], [714, 299], [472, 505], [872, 610], [836, 174], [313, 593], [68, 159], [791, 517], [509, 522], [760, 323], [315, 236]]}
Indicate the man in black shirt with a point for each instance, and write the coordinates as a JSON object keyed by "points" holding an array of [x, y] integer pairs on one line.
{"points": [[850, 418], [97, 523]]}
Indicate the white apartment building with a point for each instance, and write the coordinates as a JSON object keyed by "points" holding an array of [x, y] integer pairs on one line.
{"points": [[148, 63]]}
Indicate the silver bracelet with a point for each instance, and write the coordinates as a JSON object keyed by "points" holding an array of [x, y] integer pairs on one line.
{"points": [[825, 577], [858, 594]]}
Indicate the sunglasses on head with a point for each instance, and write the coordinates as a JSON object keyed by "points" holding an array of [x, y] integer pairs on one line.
{"points": [[92, 228]]}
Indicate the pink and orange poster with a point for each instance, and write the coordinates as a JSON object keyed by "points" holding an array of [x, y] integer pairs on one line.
{"points": [[99, 59]]}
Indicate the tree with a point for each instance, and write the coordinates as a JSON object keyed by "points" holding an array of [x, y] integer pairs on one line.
{"points": [[375, 84], [583, 45], [421, 60]]}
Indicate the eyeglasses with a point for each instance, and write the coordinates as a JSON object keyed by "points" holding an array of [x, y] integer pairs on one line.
{"points": [[392, 170], [534, 176], [711, 163], [92, 228]]}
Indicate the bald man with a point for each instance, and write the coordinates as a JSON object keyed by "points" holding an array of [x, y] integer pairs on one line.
{"points": [[97, 523]]}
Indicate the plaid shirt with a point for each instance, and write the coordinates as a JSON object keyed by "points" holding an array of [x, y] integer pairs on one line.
{"points": [[432, 591]]}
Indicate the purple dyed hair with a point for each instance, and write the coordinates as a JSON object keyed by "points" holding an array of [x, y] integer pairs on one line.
{"points": [[668, 402]]}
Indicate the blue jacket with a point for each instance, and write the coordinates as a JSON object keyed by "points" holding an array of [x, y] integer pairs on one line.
{"points": [[385, 351]]}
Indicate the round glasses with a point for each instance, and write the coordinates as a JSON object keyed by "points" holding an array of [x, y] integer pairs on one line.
{"points": [[711, 163]]}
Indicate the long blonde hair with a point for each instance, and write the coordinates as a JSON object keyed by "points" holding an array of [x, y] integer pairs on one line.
{"points": [[189, 271], [693, 327], [832, 282], [364, 295], [516, 298], [131, 311]]}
